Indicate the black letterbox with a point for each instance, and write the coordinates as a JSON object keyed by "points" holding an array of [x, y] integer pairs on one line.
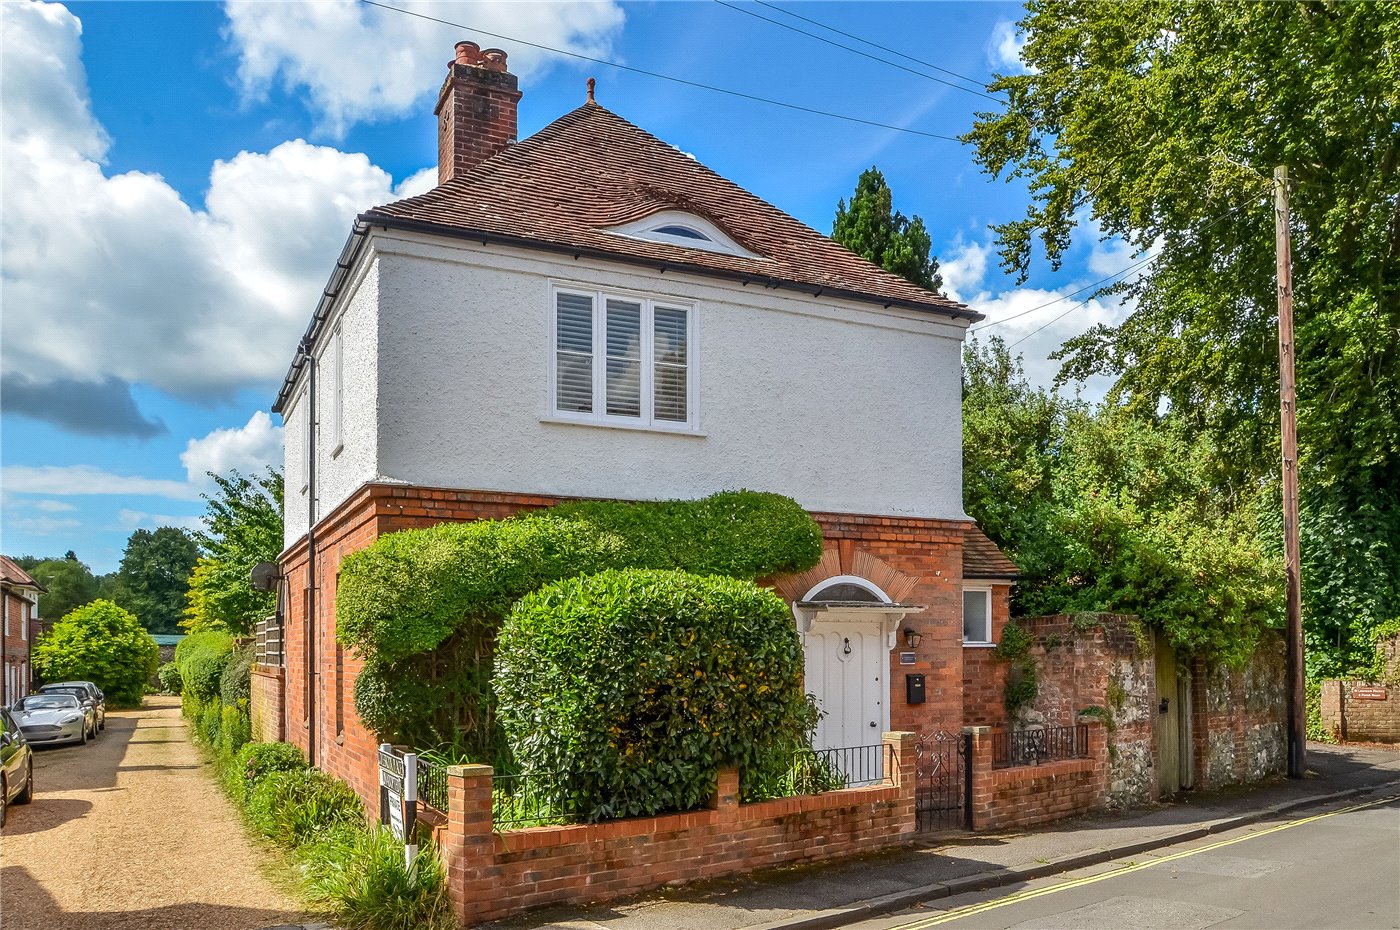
{"points": [[914, 689]]}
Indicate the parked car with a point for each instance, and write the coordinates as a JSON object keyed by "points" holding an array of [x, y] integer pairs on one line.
{"points": [[16, 765], [55, 718], [92, 692]]}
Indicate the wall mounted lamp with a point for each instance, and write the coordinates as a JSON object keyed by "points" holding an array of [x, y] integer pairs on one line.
{"points": [[912, 639]]}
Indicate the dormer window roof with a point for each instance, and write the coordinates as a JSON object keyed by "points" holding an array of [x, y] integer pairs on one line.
{"points": [[684, 229]]}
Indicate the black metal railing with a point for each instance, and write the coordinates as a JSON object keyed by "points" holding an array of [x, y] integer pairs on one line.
{"points": [[432, 785], [524, 801], [845, 767], [1037, 745]]}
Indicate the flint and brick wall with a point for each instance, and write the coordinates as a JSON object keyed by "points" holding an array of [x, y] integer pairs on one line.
{"points": [[494, 875], [1366, 719], [1239, 718], [265, 702], [927, 554], [1023, 795]]}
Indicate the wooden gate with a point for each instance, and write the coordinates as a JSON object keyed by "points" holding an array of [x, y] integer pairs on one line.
{"points": [[1168, 722]]}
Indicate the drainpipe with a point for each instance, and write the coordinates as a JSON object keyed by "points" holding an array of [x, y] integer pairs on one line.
{"points": [[311, 624]]}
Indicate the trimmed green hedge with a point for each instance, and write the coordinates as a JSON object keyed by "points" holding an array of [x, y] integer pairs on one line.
{"points": [[201, 659], [423, 607], [632, 688]]}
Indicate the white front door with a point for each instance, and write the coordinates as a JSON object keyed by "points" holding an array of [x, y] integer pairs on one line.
{"points": [[847, 662]]}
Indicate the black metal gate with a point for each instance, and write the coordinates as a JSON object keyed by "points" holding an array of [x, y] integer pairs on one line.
{"points": [[942, 793]]}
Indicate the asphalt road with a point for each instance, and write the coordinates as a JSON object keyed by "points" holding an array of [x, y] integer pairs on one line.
{"points": [[1337, 868]]}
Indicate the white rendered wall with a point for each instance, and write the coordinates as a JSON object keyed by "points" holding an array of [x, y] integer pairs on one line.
{"points": [[844, 406], [338, 474]]}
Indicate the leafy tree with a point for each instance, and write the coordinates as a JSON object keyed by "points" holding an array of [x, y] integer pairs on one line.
{"points": [[102, 643], [242, 527], [1108, 510], [1162, 122], [872, 229], [154, 571], [70, 583]]}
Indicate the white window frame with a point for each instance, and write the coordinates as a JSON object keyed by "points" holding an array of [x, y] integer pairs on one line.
{"points": [[25, 617], [987, 591], [599, 415], [337, 392], [716, 239]]}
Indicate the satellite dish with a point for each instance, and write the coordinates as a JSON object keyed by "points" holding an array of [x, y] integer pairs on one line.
{"points": [[265, 576]]}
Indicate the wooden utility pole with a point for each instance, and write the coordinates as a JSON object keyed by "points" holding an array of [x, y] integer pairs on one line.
{"points": [[1288, 416]]}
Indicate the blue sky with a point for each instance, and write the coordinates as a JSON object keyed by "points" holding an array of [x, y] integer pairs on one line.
{"points": [[180, 176]]}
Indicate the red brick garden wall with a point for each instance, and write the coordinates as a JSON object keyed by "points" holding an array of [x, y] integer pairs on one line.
{"points": [[1023, 795], [265, 702], [494, 875], [1374, 717]]}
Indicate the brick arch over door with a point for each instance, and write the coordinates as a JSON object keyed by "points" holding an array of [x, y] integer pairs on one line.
{"points": [[846, 560]]}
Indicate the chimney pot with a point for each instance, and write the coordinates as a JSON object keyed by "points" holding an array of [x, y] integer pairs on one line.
{"points": [[476, 109], [494, 59], [468, 53]]}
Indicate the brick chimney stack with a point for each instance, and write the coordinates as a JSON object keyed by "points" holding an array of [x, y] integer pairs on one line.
{"points": [[476, 109]]}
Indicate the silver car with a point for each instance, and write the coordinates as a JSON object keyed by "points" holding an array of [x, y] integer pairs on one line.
{"points": [[87, 692], [54, 718]]}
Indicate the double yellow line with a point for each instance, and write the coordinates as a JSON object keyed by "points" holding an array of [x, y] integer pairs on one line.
{"points": [[1016, 898]]}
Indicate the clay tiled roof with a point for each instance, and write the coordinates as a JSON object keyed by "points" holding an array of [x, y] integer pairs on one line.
{"points": [[591, 170], [983, 559], [12, 574]]}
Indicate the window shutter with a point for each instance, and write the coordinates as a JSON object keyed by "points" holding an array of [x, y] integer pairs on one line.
{"points": [[574, 353], [671, 359], [624, 351]]}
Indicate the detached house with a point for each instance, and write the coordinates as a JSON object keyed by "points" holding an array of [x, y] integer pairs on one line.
{"points": [[590, 312]]}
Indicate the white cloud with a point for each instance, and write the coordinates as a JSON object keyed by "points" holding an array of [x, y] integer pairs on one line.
{"points": [[248, 448], [43, 526], [360, 63], [964, 269], [110, 280], [136, 519], [1004, 48], [54, 506], [70, 480]]}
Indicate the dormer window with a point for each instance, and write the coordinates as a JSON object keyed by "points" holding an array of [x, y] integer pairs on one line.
{"points": [[676, 227]]}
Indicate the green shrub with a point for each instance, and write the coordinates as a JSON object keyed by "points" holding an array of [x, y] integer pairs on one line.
{"points": [[362, 880], [256, 761], [740, 534], [201, 659], [234, 728], [423, 607], [209, 723], [292, 807], [235, 682], [169, 677], [102, 643], [634, 687]]}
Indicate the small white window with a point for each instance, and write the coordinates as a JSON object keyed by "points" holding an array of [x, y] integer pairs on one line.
{"points": [[337, 392], [677, 227], [24, 620], [623, 360], [977, 616]]}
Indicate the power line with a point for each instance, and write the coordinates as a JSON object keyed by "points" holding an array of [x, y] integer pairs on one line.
{"points": [[835, 44], [883, 48], [666, 77]]}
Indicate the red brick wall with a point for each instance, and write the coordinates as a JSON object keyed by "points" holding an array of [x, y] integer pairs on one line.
{"points": [[494, 875], [927, 554], [1029, 794], [265, 703], [1361, 720], [984, 675], [17, 674]]}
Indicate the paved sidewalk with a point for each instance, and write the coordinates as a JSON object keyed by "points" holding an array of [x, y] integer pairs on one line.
{"points": [[816, 896]]}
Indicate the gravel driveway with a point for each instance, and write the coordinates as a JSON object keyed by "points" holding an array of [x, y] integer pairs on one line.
{"points": [[130, 831]]}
